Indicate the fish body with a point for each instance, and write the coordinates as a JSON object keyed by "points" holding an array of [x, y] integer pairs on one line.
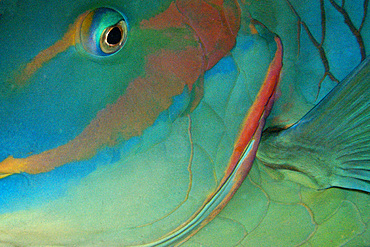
{"points": [[135, 123]]}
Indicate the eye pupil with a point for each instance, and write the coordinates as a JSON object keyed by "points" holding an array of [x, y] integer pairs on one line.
{"points": [[114, 36]]}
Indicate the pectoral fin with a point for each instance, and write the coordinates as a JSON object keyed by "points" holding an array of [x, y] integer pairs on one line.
{"points": [[331, 143]]}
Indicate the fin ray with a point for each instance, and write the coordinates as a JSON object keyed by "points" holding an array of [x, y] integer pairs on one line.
{"points": [[362, 174], [331, 143], [349, 123]]}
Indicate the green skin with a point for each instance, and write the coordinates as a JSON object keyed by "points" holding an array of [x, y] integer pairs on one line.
{"points": [[270, 209]]}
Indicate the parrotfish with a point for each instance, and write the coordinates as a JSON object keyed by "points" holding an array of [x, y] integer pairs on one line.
{"points": [[184, 122]]}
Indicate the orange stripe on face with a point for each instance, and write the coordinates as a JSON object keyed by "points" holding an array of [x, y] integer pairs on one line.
{"points": [[69, 39], [167, 75], [168, 72], [215, 22]]}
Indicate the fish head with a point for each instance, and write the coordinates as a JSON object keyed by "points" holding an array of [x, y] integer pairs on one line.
{"points": [[58, 82], [108, 124], [62, 82]]}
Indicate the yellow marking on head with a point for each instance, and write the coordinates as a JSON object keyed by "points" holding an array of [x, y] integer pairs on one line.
{"points": [[4, 175], [69, 39], [11, 165]]}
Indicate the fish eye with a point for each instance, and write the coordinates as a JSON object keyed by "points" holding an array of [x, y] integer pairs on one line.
{"points": [[103, 32], [113, 37]]}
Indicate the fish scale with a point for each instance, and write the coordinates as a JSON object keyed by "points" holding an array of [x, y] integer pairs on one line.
{"points": [[161, 174]]}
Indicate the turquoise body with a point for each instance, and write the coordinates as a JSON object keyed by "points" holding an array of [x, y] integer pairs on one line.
{"points": [[135, 190]]}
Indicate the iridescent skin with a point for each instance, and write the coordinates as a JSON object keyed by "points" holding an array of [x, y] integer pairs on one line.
{"points": [[130, 198], [269, 209]]}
